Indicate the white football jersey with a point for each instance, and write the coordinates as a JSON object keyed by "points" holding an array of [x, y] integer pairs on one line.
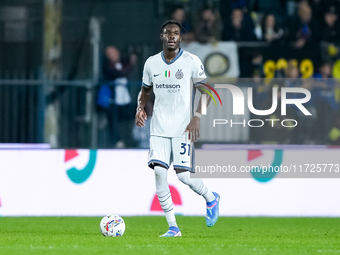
{"points": [[172, 85]]}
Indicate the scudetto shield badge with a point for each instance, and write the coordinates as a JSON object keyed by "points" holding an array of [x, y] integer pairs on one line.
{"points": [[179, 74]]}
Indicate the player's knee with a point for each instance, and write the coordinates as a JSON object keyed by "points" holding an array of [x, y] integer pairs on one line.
{"points": [[159, 177], [184, 177], [160, 172], [161, 180]]}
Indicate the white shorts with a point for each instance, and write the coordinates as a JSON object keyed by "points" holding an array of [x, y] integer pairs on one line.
{"points": [[167, 150]]}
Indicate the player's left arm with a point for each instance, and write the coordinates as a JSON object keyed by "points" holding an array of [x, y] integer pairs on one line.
{"points": [[199, 77], [193, 128]]}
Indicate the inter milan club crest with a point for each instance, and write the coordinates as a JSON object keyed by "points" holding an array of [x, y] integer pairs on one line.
{"points": [[179, 75]]}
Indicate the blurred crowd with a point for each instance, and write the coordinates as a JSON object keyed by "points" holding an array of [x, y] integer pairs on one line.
{"points": [[292, 31], [296, 23]]}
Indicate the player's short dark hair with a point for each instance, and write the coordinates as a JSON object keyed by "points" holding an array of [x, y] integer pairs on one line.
{"points": [[170, 22]]}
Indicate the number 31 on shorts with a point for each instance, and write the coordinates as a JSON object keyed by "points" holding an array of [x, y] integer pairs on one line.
{"points": [[184, 148]]}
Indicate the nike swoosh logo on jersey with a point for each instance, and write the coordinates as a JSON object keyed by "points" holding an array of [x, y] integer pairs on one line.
{"points": [[155, 75], [185, 161]]}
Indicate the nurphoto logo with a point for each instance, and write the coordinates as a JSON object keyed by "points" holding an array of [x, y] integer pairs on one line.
{"points": [[238, 105]]}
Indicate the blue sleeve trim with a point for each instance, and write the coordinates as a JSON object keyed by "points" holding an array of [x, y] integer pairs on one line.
{"points": [[146, 85], [197, 83]]}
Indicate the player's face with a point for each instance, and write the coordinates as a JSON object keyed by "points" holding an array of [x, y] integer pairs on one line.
{"points": [[171, 37]]}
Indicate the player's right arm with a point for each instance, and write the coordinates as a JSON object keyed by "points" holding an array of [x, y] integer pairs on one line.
{"points": [[143, 96]]}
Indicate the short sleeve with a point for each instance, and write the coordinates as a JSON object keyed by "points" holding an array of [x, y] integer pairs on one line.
{"points": [[197, 70], [147, 81]]}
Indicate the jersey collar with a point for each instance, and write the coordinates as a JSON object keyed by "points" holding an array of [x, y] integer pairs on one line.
{"points": [[178, 55]]}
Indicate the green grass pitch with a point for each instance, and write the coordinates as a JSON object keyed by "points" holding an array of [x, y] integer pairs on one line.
{"points": [[230, 235]]}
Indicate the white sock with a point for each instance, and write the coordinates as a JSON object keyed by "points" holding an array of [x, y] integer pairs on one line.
{"points": [[164, 195], [196, 185]]}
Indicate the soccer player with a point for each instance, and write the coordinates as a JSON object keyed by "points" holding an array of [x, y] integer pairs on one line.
{"points": [[174, 75]]}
